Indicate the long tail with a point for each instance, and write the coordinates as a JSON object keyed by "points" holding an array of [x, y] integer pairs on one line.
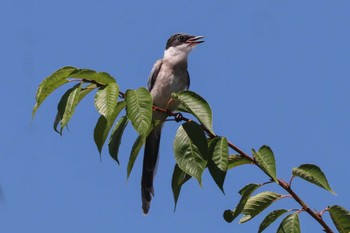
{"points": [[150, 160]]}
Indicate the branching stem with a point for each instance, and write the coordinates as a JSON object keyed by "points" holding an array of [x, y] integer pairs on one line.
{"points": [[286, 186]]}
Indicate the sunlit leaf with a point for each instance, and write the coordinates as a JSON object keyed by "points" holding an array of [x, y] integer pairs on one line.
{"points": [[341, 218], [106, 99], [101, 78], [134, 153], [312, 174], [116, 136], [270, 218], [266, 160], [51, 83], [179, 178], [139, 109], [290, 224], [191, 149], [61, 105], [72, 102], [197, 106], [66, 107], [236, 160], [64, 75], [217, 164], [256, 204], [104, 125]]}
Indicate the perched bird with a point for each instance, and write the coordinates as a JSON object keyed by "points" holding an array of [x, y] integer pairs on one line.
{"points": [[168, 75]]}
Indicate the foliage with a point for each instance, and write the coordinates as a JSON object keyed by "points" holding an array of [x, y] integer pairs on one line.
{"points": [[196, 146]]}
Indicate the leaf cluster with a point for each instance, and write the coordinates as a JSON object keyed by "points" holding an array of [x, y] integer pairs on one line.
{"points": [[196, 146]]}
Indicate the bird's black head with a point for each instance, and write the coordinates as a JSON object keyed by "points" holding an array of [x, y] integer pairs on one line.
{"points": [[182, 38]]}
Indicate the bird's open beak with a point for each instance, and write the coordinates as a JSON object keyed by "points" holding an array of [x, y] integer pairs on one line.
{"points": [[195, 40]]}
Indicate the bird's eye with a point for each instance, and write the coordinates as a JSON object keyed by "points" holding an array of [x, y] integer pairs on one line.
{"points": [[181, 38]]}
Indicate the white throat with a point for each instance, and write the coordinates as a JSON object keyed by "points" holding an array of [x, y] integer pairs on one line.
{"points": [[178, 54]]}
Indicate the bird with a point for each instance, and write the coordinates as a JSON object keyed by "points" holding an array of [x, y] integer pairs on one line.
{"points": [[168, 75]]}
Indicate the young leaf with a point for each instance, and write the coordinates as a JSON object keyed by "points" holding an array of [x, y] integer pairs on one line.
{"points": [[104, 125], [341, 218], [179, 178], [66, 107], [217, 164], [197, 106], [270, 218], [139, 109], [236, 160], [134, 153], [72, 102], [101, 78], [51, 83], [290, 224], [116, 136], [256, 204], [266, 160], [106, 99], [312, 174], [245, 192], [63, 103], [191, 149]]}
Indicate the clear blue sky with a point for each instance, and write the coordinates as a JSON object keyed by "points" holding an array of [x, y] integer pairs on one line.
{"points": [[274, 72]]}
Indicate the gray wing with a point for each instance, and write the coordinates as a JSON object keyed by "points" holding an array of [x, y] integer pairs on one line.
{"points": [[154, 73]]}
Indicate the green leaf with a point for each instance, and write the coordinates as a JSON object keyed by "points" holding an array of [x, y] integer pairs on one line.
{"points": [[101, 132], [197, 106], [106, 99], [139, 109], [72, 102], [66, 107], [179, 178], [62, 105], [51, 83], [245, 192], [86, 90], [104, 125], [341, 218], [134, 153], [101, 78], [270, 218], [217, 164], [312, 174], [256, 204], [60, 77], [236, 160], [266, 160], [191, 149], [290, 224], [116, 136]]}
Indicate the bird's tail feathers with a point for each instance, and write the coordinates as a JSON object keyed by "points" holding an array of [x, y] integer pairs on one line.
{"points": [[150, 161]]}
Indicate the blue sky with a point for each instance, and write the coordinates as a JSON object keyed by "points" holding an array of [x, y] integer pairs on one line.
{"points": [[274, 72]]}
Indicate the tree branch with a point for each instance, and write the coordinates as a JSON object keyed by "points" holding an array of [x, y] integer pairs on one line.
{"points": [[179, 117], [281, 182]]}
